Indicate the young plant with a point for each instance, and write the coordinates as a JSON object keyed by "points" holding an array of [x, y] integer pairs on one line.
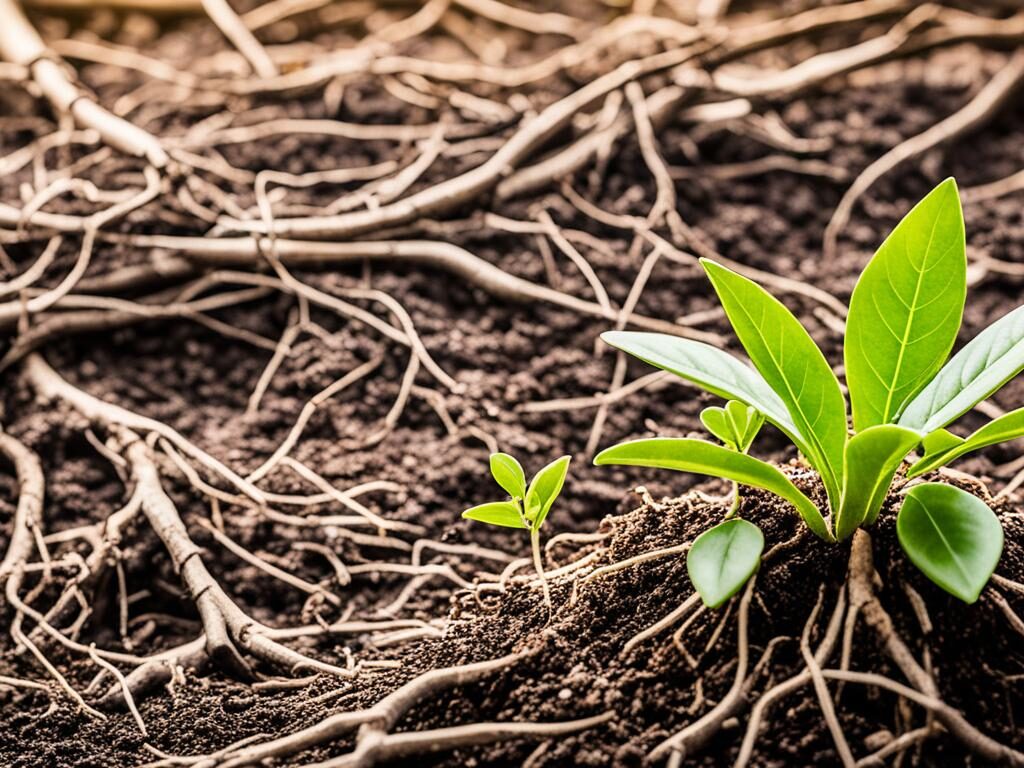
{"points": [[736, 425], [903, 320], [528, 506]]}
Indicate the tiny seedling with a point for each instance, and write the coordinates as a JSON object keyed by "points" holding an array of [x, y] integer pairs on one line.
{"points": [[528, 506], [903, 320], [736, 425]]}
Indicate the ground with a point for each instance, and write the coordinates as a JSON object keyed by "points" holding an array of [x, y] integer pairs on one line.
{"points": [[442, 359]]}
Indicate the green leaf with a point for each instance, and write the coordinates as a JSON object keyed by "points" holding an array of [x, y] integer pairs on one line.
{"points": [[986, 362], [736, 424], [746, 421], [792, 365], [872, 458], [544, 489], [951, 536], [1009, 426], [709, 368], [717, 422], [906, 309], [704, 458], [509, 474], [723, 558], [503, 513], [940, 441]]}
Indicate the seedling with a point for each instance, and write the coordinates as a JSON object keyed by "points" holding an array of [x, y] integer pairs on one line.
{"points": [[528, 506], [903, 320], [736, 425]]}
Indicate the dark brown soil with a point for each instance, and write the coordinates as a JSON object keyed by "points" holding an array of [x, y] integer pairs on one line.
{"points": [[506, 356]]}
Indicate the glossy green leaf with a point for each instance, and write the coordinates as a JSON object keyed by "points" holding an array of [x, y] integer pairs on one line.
{"points": [[723, 558], [872, 458], [951, 536], [709, 368], [717, 422], [736, 425], [789, 360], [988, 361], [503, 513], [1009, 426], [544, 489], [906, 308], [939, 441], [509, 474], [704, 458]]}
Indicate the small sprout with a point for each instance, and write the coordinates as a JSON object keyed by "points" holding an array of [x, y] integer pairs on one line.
{"points": [[736, 425], [528, 506], [904, 390]]}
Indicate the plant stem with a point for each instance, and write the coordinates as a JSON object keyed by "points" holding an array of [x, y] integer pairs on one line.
{"points": [[735, 501], [539, 565]]}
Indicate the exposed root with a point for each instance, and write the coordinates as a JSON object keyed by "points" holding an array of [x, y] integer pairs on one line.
{"points": [[861, 581], [698, 733], [374, 723], [982, 108]]}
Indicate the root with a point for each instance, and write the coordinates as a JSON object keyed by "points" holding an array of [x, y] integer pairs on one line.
{"points": [[21, 44], [696, 734], [373, 723], [28, 515], [227, 627], [861, 581], [976, 113], [783, 689]]}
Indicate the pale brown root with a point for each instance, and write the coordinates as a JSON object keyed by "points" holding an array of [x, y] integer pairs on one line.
{"points": [[982, 108], [662, 624], [695, 735], [29, 512], [21, 44], [795, 683], [825, 699], [440, 255], [374, 722], [398, 745], [48, 383], [861, 581], [442, 197]]}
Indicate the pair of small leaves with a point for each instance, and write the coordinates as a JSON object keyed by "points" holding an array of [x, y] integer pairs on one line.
{"points": [[736, 425], [954, 538], [531, 504]]}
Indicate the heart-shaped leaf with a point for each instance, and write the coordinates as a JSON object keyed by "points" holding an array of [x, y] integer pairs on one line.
{"points": [[736, 425], [509, 474], [503, 513], [716, 421], [951, 536], [723, 558]]}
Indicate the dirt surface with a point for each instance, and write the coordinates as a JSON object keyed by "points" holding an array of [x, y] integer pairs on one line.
{"points": [[507, 359]]}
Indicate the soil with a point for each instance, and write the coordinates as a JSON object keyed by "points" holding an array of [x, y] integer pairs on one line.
{"points": [[507, 357]]}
